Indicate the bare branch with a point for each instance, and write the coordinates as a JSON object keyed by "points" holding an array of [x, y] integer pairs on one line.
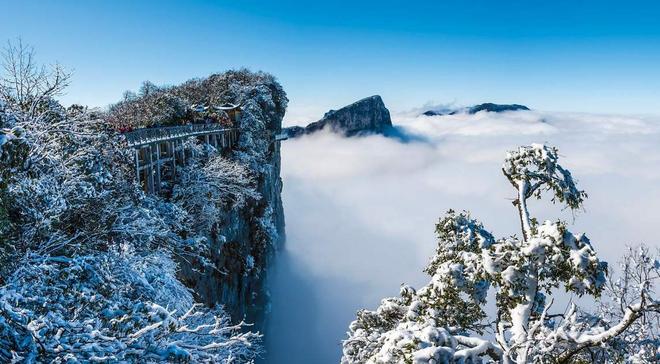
{"points": [[26, 86]]}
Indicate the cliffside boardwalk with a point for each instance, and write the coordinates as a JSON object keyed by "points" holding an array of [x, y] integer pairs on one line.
{"points": [[159, 150]]}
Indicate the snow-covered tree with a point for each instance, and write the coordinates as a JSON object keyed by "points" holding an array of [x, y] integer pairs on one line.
{"points": [[445, 321], [27, 86], [208, 187]]}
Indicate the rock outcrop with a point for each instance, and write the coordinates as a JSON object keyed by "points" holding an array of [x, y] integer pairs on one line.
{"points": [[488, 107], [243, 243], [367, 116], [294, 131]]}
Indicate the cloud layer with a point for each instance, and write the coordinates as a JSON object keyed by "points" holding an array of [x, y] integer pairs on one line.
{"points": [[360, 212]]}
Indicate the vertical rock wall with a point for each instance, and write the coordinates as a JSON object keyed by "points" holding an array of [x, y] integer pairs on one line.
{"points": [[245, 240]]}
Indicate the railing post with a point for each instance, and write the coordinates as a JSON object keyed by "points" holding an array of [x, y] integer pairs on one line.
{"points": [[150, 170], [137, 165], [157, 180], [173, 156], [183, 154]]}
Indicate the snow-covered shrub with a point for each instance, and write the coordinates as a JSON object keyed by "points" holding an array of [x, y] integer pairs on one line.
{"points": [[207, 188], [13, 154], [76, 183], [444, 321], [174, 104], [112, 307], [154, 106], [266, 224], [79, 194]]}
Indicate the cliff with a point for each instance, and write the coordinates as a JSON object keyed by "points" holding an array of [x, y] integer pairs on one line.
{"points": [[244, 240], [366, 116], [242, 248], [239, 241], [79, 231]]}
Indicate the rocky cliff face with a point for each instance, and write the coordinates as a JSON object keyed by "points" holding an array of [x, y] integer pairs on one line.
{"points": [[244, 241], [242, 248], [367, 116]]}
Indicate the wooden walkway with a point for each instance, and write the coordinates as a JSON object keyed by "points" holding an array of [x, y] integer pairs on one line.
{"points": [[159, 151]]}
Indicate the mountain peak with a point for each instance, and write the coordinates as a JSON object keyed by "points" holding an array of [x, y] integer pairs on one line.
{"points": [[487, 106], [366, 116]]}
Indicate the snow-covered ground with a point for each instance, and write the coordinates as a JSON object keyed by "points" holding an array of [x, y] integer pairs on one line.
{"points": [[361, 212]]}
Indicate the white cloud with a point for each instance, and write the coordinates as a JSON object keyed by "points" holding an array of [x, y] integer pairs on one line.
{"points": [[360, 212]]}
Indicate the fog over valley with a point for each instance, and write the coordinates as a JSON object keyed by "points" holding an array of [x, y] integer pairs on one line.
{"points": [[361, 212]]}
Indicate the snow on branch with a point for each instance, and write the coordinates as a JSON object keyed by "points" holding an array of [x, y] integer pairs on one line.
{"points": [[90, 308], [27, 86], [206, 188], [537, 168], [444, 321]]}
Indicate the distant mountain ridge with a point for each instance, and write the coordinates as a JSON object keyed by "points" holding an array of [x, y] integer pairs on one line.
{"points": [[488, 106], [369, 116], [363, 117]]}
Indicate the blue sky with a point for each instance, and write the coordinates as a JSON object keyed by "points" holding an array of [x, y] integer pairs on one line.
{"points": [[592, 56]]}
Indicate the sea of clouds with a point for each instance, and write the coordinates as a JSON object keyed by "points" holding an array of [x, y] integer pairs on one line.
{"points": [[360, 212]]}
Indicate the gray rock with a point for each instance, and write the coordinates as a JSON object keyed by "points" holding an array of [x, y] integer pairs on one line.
{"points": [[488, 106], [293, 131], [367, 116], [433, 113], [241, 247]]}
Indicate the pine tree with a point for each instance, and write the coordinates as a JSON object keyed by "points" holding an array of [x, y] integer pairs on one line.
{"points": [[445, 321]]}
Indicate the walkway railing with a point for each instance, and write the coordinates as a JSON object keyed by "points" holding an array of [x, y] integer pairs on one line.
{"points": [[159, 151], [144, 136]]}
